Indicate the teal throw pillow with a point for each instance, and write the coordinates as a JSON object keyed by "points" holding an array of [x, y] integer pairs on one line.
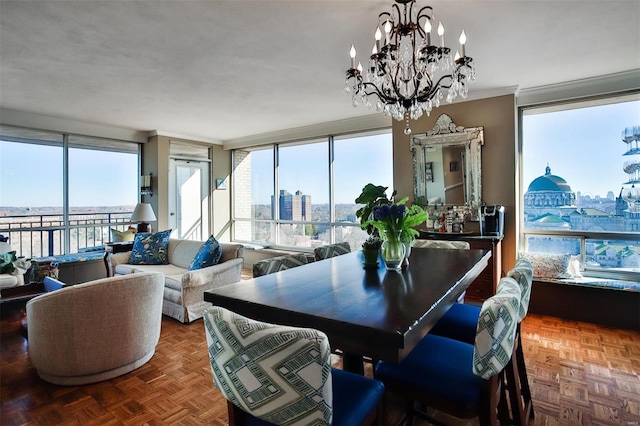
{"points": [[208, 255], [150, 249]]}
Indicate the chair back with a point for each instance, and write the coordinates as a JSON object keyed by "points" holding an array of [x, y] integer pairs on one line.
{"points": [[279, 263], [496, 331], [276, 373], [523, 274], [331, 250], [442, 244]]}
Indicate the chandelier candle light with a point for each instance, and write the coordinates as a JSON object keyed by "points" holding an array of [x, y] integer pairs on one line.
{"points": [[407, 74]]}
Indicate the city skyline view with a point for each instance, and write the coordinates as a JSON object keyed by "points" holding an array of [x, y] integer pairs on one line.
{"points": [[575, 145]]}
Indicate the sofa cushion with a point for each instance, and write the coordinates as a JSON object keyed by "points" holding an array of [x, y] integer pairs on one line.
{"points": [[174, 281], [167, 270], [182, 252], [150, 249], [208, 255], [172, 295]]}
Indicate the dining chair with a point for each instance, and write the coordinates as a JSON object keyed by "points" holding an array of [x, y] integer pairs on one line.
{"points": [[275, 374], [459, 323], [458, 378], [519, 390], [460, 245], [278, 263], [331, 250]]}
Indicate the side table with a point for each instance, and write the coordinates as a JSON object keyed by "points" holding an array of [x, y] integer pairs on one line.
{"points": [[111, 248], [118, 247], [15, 298]]}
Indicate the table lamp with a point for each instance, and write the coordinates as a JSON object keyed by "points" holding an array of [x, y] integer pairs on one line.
{"points": [[143, 214]]}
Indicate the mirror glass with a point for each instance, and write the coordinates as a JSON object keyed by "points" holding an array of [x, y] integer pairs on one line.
{"points": [[447, 165]]}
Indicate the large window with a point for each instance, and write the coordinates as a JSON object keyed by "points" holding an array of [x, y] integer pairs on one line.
{"points": [[303, 194], [63, 193], [581, 183]]}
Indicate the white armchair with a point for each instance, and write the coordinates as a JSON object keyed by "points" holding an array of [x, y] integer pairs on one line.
{"points": [[95, 331]]}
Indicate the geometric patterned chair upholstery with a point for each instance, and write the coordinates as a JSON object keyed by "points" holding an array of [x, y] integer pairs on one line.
{"points": [[331, 250], [459, 245], [523, 274], [496, 331], [279, 263], [273, 374], [460, 322], [518, 380], [458, 378]]}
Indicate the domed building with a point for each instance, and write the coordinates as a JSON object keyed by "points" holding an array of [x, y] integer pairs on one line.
{"points": [[549, 202]]}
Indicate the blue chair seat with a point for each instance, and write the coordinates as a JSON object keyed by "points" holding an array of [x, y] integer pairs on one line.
{"points": [[458, 323], [439, 368], [355, 398]]}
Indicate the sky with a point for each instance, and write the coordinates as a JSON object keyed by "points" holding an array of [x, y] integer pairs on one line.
{"points": [[357, 161], [31, 176], [584, 146]]}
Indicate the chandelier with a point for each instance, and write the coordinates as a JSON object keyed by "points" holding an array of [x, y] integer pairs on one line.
{"points": [[407, 73]]}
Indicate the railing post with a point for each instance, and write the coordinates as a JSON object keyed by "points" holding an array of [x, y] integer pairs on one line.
{"points": [[50, 232]]}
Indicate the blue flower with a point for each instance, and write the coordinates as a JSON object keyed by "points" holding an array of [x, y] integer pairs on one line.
{"points": [[397, 211], [381, 212]]}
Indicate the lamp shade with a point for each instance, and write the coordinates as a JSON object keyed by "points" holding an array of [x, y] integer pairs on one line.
{"points": [[143, 213]]}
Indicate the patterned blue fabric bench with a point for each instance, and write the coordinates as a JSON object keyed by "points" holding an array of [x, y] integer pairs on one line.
{"points": [[76, 268], [73, 257]]}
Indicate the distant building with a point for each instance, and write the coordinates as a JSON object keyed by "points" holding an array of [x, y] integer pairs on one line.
{"points": [[549, 203], [295, 207], [548, 195]]}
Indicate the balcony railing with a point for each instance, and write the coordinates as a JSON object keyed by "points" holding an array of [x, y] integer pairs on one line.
{"points": [[38, 235]]}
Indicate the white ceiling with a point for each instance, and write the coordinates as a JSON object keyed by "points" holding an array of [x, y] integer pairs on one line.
{"points": [[224, 70]]}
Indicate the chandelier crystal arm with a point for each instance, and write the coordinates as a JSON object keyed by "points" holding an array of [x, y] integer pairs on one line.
{"points": [[407, 74], [422, 14]]}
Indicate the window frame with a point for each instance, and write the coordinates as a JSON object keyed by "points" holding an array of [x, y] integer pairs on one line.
{"points": [[581, 235], [276, 222], [69, 222]]}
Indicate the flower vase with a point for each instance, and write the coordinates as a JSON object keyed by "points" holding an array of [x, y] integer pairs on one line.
{"points": [[392, 250]]}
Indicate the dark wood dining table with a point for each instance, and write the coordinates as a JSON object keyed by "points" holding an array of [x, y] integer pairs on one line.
{"points": [[374, 312]]}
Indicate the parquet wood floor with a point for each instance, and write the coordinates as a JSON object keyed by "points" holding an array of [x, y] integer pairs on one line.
{"points": [[581, 374]]}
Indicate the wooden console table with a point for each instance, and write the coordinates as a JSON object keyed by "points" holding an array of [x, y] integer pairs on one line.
{"points": [[485, 285]]}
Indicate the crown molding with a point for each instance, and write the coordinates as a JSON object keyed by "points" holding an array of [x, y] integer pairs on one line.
{"points": [[184, 137], [349, 125], [593, 86], [64, 125]]}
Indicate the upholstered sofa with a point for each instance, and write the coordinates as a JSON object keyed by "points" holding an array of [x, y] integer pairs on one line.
{"points": [[95, 331], [184, 289]]}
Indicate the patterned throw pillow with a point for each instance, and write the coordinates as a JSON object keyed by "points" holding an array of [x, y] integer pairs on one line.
{"points": [[150, 249], [208, 255], [122, 236], [547, 265]]}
